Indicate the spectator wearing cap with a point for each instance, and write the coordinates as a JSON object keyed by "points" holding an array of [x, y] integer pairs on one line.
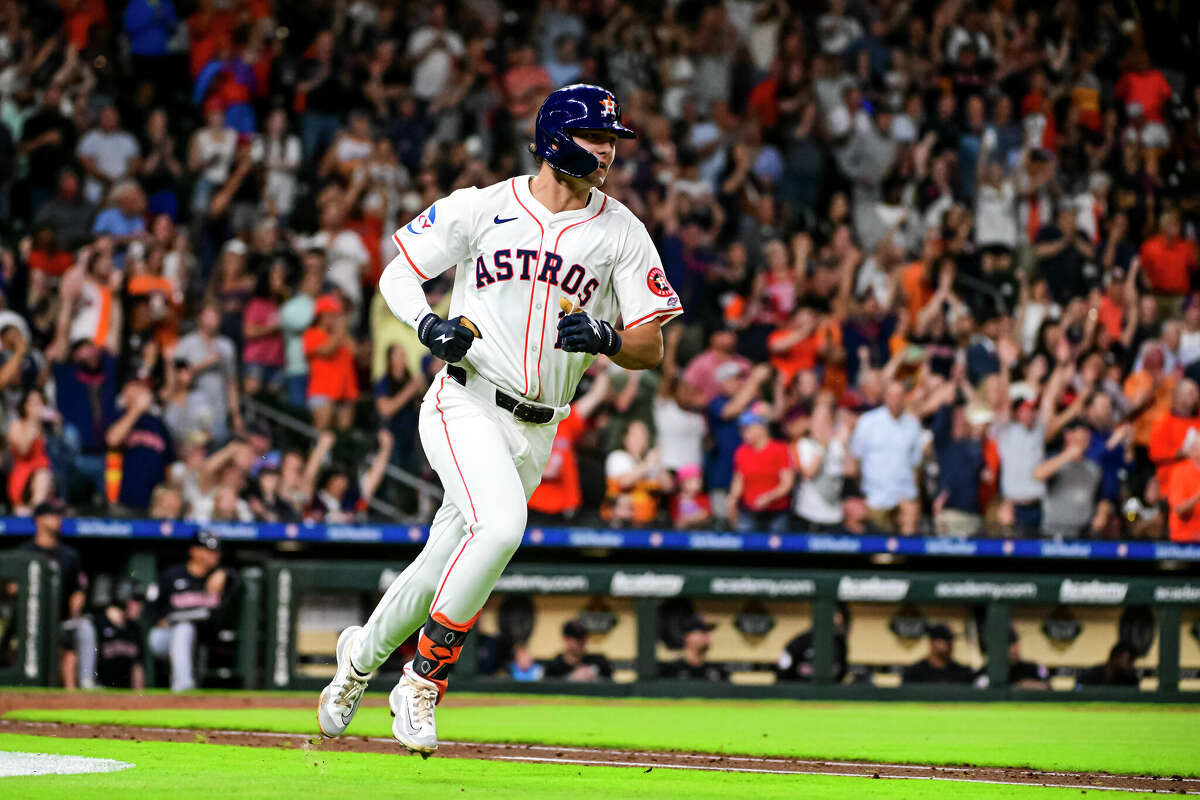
{"points": [[737, 392], [693, 664], [1072, 487], [887, 444], [332, 377], [141, 436], [939, 665], [1169, 263], [575, 663], [760, 493], [1182, 490], [690, 506], [213, 361], [1117, 670], [184, 604], [78, 642], [1019, 432]]}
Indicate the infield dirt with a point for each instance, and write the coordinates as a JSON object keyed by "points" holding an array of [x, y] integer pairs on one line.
{"points": [[536, 753]]}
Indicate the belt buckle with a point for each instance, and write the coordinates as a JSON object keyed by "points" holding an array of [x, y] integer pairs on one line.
{"points": [[528, 412]]}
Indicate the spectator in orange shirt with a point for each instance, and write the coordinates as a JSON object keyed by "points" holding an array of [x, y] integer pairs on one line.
{"points": [[332, 378], [1168, 260], [1183, 495], [1169, 439], [1149, 393], [1145, 93], [635, 478], [794, 347], [558, 497]]}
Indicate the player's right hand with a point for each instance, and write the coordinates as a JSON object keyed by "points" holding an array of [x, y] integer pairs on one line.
{"points": [[447, 339]]}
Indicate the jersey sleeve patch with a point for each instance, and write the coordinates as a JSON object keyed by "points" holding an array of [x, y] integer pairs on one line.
{"points": [[422, 222], [656, 279]]}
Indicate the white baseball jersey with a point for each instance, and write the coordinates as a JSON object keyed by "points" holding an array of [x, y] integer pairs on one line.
{"points": [[515, 260]]}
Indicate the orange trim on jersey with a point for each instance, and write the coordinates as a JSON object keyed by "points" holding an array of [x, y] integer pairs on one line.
{"points": [[400, 244], [653, 314], [546, 303], [442, 619], [471, 528], [532, 288]]}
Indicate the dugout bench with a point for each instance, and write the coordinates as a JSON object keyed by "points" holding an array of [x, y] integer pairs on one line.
{"points": [[757, 612]]}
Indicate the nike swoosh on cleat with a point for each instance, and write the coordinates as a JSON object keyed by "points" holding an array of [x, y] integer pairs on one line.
{"points": [[408, 723], [499, 221]]}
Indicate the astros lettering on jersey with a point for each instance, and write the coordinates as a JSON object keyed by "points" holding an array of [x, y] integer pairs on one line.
{"points": [[515, 260]]}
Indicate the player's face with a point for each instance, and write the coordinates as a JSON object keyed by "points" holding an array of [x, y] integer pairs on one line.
{"points": [[601, 144]]}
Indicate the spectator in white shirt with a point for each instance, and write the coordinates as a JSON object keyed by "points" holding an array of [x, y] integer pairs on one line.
{"points": [[821, 458], [108, 155], [210, 155], [279, 152], [433, 51], [887, 443], [345, 252]]}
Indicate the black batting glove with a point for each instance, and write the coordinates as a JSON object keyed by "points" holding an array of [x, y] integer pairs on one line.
{"points": [[582, 333], [446, 338]]}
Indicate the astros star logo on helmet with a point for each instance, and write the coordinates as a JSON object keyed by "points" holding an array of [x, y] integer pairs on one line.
{"points": [[608, 107]]}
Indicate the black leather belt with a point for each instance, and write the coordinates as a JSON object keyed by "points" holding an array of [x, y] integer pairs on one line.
{"points": [[525, 412]]}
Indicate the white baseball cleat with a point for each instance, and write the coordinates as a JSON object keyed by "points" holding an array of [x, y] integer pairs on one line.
{"points": [[412, 703], [340, 699]]}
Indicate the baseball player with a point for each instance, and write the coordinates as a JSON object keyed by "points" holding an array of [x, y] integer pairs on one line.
{"points": [[546, 264]]}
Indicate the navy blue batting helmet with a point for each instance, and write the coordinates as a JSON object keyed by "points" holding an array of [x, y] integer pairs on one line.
{"points": [[579, 106]]}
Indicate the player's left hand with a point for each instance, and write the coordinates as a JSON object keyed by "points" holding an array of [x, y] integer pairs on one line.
{"points": [[583, 333]]}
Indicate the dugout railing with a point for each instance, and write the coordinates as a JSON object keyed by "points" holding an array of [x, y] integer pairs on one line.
{"points": [[994, 596]]}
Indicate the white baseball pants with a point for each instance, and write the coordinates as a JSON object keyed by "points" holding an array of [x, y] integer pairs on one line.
{"points": [[177, 642], [489, 463]]}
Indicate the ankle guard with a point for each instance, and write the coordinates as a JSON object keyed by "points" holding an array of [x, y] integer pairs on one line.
{"points": [[438, 648]]}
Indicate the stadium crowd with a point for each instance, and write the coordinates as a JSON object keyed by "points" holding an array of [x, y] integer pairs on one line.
{"points": [[937, 257]]}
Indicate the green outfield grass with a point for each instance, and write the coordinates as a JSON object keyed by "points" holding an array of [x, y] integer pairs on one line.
{"points": [[206, 771], [1136, 739]]}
